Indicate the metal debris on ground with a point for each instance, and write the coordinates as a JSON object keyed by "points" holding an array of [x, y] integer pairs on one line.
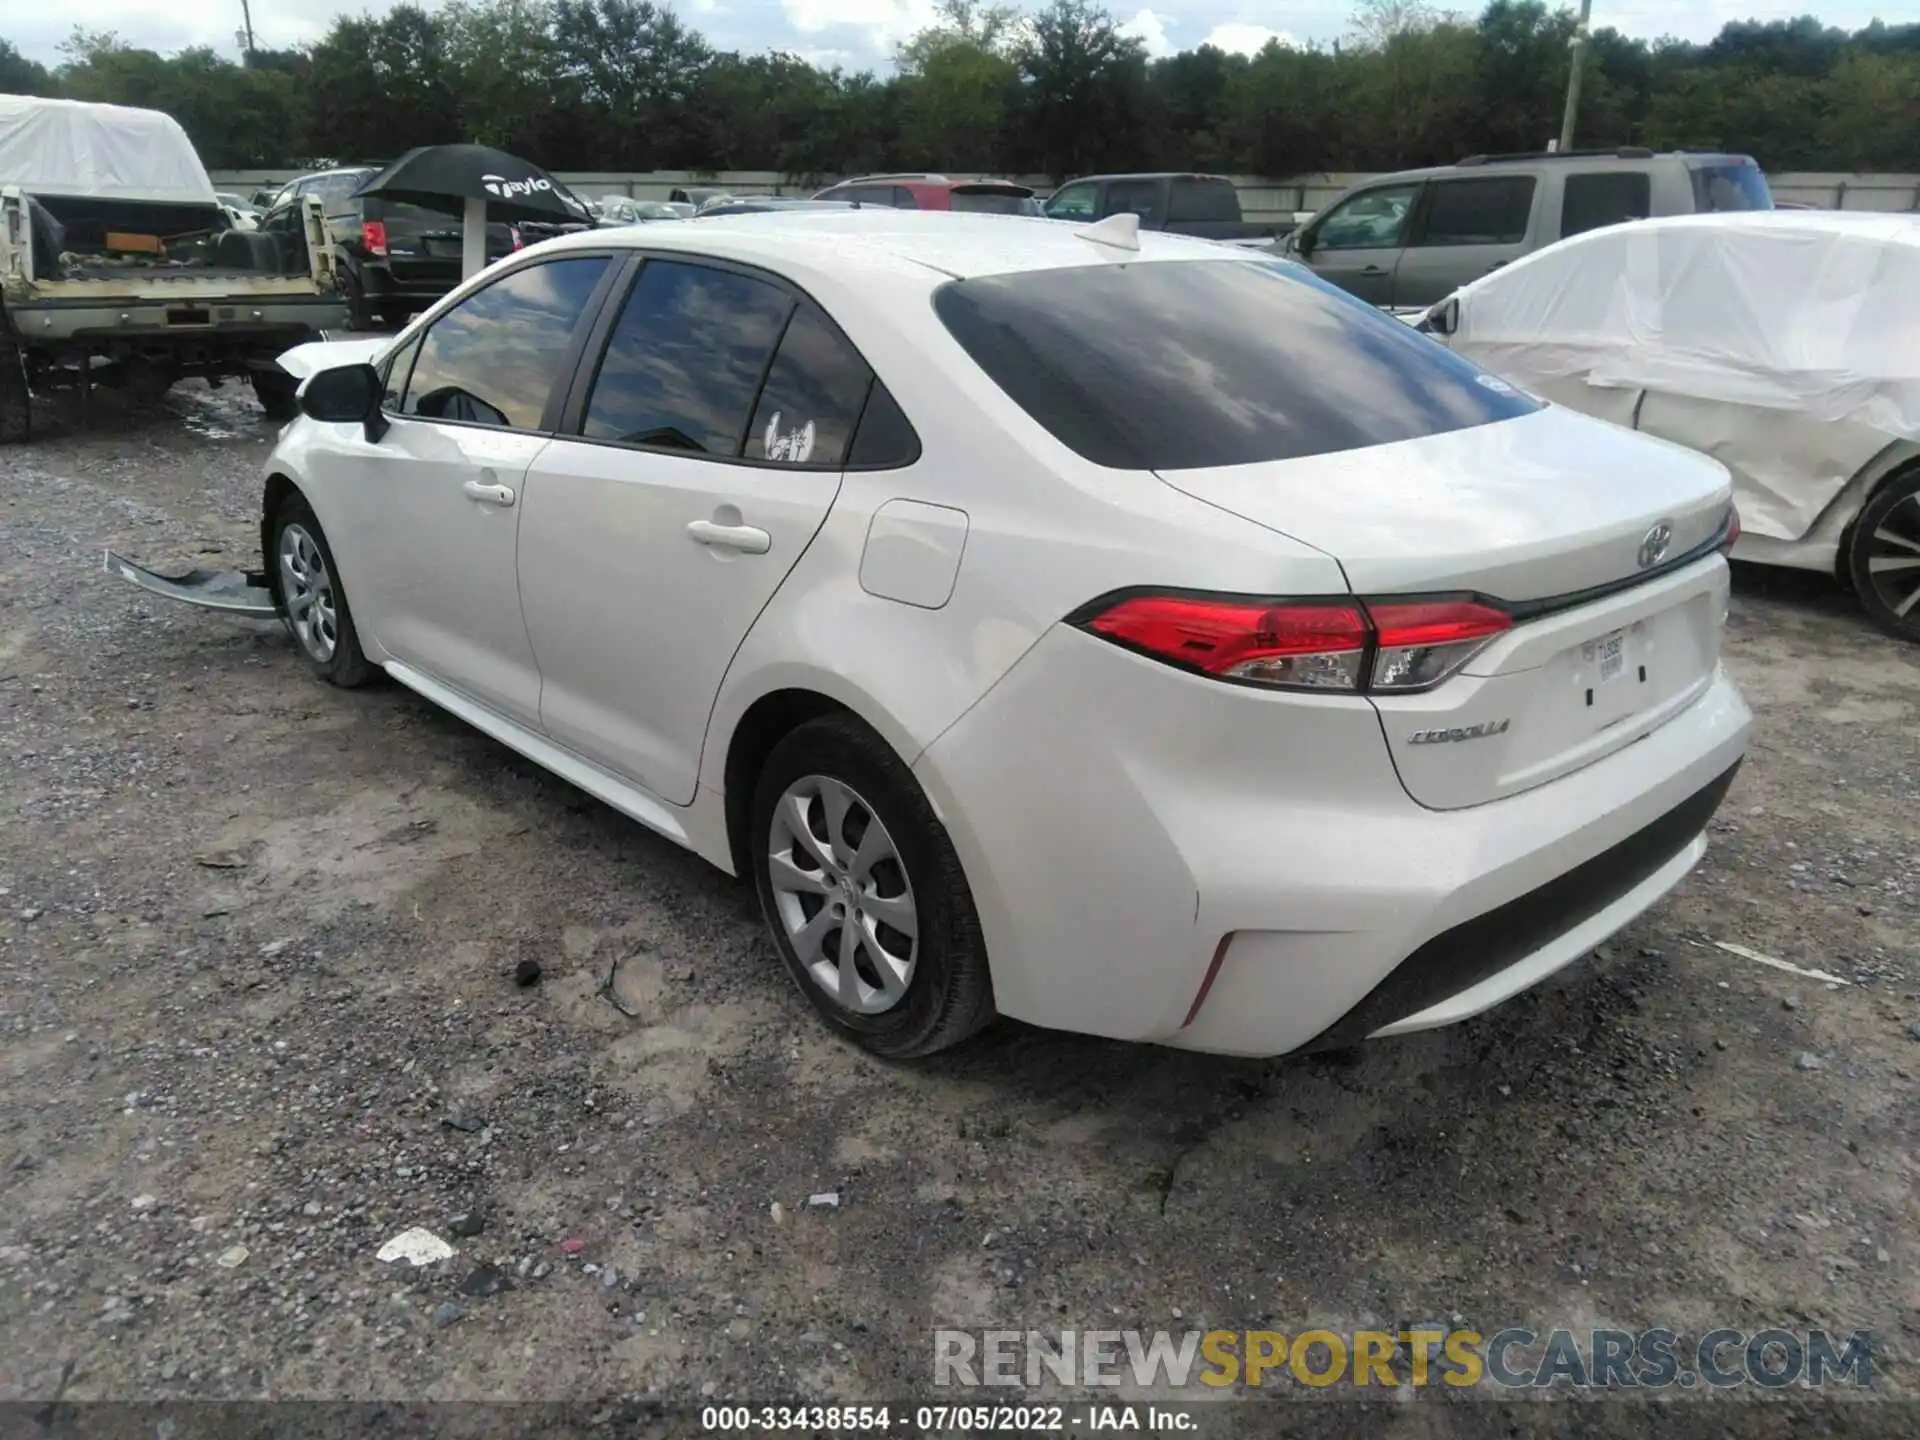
{"points": [[417, 1247], [465, 1124], [825, 1200], [1754, 955], [526, 973], [621, 987]]}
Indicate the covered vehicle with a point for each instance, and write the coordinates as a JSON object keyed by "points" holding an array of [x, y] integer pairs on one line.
{"points": [[1782, 343], [119, 265]]}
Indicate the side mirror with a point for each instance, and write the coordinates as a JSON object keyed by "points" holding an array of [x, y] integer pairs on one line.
{"points": [[344, 395], [1442, 319], [1300, 242]]}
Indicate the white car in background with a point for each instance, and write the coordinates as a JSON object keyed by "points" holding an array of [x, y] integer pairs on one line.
{"points": [[1098, 628], [1785, 344]]}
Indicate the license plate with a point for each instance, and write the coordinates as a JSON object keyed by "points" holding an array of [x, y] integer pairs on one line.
{"points": [[1609, 652]]}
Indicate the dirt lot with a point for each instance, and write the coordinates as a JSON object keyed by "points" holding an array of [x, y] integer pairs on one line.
{"points": [[256, 939]]}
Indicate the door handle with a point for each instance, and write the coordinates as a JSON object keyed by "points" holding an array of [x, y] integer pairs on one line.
{"points": [[1371, 270], [745, 538], [501, 495]]}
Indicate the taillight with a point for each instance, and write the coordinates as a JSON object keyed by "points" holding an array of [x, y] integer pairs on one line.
{"points": [[1422, 642], [373, 234], [1351, 646], [1312, 646], [1733, 530], [513, 232]]}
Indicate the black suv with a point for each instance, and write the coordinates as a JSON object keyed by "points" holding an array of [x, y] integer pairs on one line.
{"points": [[394, 258]]}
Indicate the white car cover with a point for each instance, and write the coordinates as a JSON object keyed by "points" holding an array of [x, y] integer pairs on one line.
{"points": [[1786, 343], [68, 147]]}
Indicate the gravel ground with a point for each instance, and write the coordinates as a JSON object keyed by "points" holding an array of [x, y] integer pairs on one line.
{"points": [[257, 1017]]}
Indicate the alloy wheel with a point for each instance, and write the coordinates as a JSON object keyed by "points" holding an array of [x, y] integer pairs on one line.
{"points": [[1893, 560], [842, 894], [307, 587]]}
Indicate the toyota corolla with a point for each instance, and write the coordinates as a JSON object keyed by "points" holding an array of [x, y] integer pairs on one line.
{"points": [[1109, 630]]}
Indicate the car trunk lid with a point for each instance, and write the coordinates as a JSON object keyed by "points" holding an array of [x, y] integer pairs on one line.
{"points": [[1601, 546]]}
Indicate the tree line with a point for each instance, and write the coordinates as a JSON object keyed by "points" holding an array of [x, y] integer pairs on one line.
{"points": [[628, 85]]}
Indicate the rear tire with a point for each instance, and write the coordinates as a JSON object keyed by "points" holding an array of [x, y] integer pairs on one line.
{"points": [[359, 314], [148, 381], [312, 601], [1883, 556], [16, 401], [845, 845]]}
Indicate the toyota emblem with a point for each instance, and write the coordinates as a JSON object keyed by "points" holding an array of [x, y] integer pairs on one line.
{"points": [[1653, 549]]}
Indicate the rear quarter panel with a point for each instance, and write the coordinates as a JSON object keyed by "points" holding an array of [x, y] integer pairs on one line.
{"points": [[1787, 468]]}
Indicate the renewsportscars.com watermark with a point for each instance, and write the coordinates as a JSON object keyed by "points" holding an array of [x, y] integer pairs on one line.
{"points": [[1514, 1359]]}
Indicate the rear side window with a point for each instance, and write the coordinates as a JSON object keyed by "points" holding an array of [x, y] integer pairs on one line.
{"points": [[1178, 365], [1733, 185], [495, 357], [1133, 197], [812, 400], [332, 189], [1074, 202], [1478, 212], [1592, 201], [1192, 199], [903, 199], [686, 359], [991, 202]]}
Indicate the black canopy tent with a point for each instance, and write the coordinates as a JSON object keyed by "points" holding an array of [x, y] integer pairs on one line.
{"points": [[472, 181]]}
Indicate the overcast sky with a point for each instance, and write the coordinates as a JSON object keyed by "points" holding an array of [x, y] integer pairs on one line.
{"points": [[861, 34]]}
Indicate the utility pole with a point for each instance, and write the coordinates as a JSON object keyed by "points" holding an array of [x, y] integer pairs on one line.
{"points": [[1573, 78], [246, 13]]}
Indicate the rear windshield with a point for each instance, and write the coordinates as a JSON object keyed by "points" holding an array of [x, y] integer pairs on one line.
{"points": [[382, 209], [1180, 365], [994, 202], [1731, 185]]}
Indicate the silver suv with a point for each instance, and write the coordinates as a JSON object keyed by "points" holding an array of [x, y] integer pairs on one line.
{"points": [[1413, 238]]}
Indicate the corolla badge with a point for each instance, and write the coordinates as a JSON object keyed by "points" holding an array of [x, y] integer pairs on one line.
{"points": [[1453, 736], [1653, 547]]}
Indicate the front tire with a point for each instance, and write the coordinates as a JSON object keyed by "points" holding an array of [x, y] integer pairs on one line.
{"points": [[312, 600], [864, 895], [1883, 556]]}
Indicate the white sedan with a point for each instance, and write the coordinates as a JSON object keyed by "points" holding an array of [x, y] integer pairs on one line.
{"points": [[1097, 628]]}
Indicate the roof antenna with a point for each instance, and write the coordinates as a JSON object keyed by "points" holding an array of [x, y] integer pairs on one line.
{"points": [[1121, 231]]}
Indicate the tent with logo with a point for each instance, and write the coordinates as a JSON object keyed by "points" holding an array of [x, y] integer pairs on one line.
{"points": [[473, 181]]}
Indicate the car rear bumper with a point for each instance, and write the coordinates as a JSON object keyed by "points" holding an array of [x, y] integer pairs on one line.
{"points": [[1159, 857], [420, 283], [266, 324]]}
